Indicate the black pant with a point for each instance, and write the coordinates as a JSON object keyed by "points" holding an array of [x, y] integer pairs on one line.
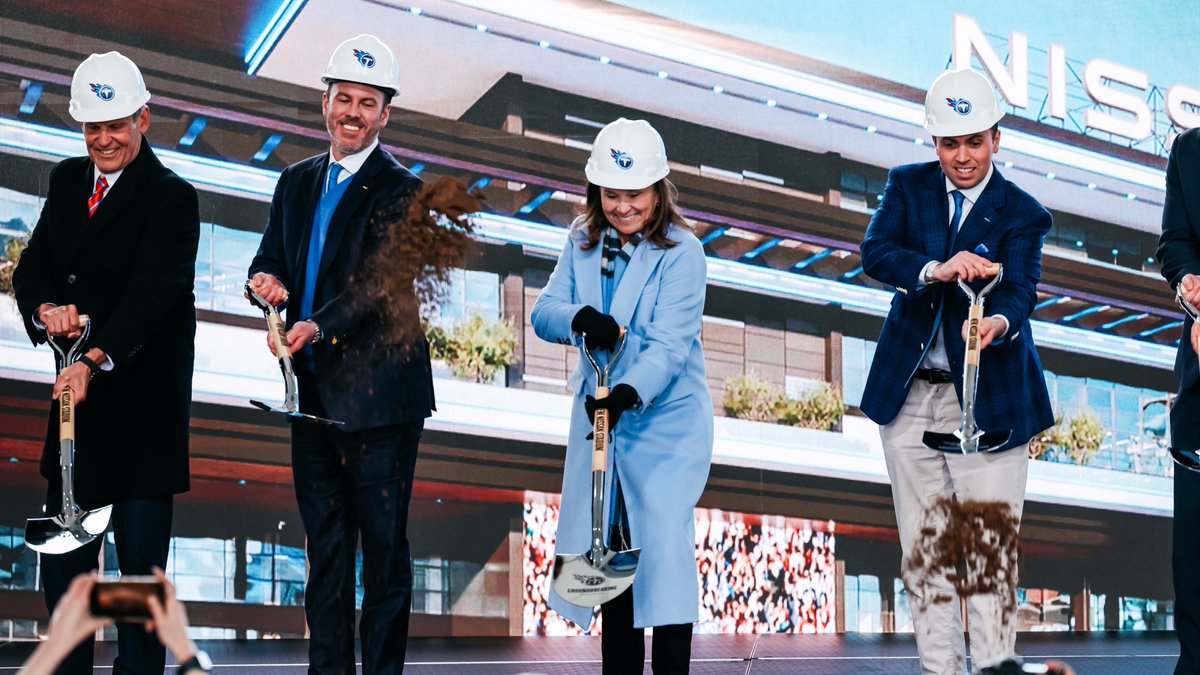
{"points": [[350, 484], [1185, 433], [623, 647], [142, 531]]}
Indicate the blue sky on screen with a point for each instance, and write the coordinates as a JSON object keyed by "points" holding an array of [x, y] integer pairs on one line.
{"points": [[910, 42]]}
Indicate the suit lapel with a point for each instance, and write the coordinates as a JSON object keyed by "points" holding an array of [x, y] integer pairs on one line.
{"points": [[311, 185], [587, 275], [358, 191], [119, 196], [645, 258], [983, 214], [75, 213], [936, 209]]}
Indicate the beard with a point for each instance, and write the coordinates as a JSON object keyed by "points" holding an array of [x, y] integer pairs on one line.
{"points": [[350, 146]]}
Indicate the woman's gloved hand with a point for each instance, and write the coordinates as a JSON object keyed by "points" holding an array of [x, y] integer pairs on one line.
{"points": [[621, 398], [600, 331]]}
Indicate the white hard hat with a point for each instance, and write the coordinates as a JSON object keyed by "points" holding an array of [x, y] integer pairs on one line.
{"points": [[366, 60], [959, 103], [106, 87], [627, 155]]}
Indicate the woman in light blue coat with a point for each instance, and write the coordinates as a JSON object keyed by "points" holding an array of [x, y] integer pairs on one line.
{"points": [[632, 260]]}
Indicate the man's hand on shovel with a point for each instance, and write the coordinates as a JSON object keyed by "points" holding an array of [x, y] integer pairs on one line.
{"points": [[269, 288], [1189, 292], [990, 328], [298, 336], [61, 321], [1189, 289]]}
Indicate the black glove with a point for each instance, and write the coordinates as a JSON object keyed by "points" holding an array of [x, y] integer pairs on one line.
{"points": [[621, 398], [600, 330]]}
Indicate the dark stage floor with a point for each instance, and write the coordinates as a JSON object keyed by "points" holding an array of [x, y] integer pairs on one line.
{"points": [[1147, 653]]}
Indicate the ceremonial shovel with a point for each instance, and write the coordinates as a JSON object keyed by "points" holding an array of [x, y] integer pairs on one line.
{"points": [[599, 575], [291, 395], [73, 527], [970, 438], [1187, 458]]}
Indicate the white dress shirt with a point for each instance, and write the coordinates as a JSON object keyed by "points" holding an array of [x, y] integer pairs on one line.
{"points": [[935, 358]]}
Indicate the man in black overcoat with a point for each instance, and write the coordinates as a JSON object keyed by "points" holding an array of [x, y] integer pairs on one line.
{"points": [[116, 241]]}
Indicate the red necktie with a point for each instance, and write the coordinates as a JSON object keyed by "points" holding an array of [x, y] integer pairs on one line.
{"points": [[94, 200]]}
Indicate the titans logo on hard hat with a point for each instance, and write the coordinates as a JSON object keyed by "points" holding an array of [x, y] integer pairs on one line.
{"points": [[103, 91], [961, 105], [364, 58], [623, 160]]}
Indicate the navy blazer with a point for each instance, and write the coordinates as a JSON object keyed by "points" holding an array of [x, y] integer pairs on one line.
{"points": [[908, 230], [362, 380], [1179, 247], [130, 267]]}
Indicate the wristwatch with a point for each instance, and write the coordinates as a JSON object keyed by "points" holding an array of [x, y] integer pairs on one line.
{"points": [[200, 663], [318, 335]]}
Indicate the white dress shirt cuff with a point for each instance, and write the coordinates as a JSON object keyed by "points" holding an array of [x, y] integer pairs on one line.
{"points": [[925, 272], [1006, 324]]}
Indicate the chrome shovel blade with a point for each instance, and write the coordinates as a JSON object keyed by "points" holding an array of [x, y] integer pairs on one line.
{"points": [[295, 414], [580, 582], [55, 535], [95, 522]]}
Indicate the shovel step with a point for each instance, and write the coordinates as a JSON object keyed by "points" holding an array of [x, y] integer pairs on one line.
{"points": [[1188, 459], [988, 441], [295, 414]]}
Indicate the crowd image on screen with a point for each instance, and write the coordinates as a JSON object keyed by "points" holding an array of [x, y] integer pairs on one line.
{"points": [[773, 576], [757, 574]]}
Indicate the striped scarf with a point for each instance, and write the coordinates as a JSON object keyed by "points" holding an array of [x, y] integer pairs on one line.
{"points": [[612, 248]]}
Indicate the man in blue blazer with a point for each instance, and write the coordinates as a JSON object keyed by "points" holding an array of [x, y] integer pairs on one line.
{"points": [[940, 222], [1179, 253], [327, 217]]}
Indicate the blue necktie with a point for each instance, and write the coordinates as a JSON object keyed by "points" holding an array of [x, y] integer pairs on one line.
{"points": [[316, 246], [950, 236], [335, 170], [958, 203]]}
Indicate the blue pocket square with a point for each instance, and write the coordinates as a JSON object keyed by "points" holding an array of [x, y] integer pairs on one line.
{"points": [[981, 249]]}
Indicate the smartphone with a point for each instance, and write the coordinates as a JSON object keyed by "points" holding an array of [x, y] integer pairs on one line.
{"points": [[126, 599]]}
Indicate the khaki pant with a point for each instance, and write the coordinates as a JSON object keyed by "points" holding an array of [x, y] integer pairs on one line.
{"points": [[919, 475]]}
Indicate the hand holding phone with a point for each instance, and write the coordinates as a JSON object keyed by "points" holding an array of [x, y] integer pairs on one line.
{"points": [[126, 600], [171, 624]]}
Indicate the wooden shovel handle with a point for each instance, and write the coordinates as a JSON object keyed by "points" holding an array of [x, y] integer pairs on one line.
{"points": [[66, 414], [275, 325], [974, 314], [992, 270], [600, 435]]}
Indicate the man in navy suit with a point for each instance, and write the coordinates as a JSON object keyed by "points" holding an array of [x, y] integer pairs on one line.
{"points": [[328, 216], [940, 222], [1179, 253]]}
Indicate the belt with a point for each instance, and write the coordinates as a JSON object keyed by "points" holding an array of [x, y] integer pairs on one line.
{"points": [[933, 376]]}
